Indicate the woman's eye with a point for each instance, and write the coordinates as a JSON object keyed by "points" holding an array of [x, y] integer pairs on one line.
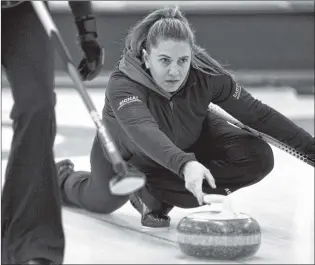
{"points": [[164, 60], [184, 60]]}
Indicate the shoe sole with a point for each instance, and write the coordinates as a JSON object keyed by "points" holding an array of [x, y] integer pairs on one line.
{"points": [[127, 186], [155, 229]]}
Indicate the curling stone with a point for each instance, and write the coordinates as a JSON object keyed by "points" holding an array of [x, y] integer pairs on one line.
{"points": [[222, 234]]}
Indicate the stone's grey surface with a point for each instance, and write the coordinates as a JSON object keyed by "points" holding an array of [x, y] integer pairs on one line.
{"points": [[244, 226], [219, 252], [223, 240], [218, 239]]}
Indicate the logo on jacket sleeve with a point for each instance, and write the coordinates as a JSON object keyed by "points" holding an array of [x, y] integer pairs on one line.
{"points": [[127, 101], [237, 92]]}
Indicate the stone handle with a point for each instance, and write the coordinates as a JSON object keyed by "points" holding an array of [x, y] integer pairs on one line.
{"points": [[226, 210]]}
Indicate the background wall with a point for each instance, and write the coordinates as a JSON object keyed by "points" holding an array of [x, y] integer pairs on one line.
{"points": [[255, 37], [264, 42]]}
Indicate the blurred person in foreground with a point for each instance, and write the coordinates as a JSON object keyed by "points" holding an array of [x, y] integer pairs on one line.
{"points": [[156, 107], [31, 225]]}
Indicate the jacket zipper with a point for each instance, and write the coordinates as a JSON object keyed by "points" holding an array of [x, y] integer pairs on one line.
{"points": [[175, 124]]}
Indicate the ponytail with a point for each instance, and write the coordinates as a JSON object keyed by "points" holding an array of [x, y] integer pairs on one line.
{"points": [[169, 23]]}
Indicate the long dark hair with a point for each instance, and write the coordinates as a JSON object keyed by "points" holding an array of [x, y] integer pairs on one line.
{"points": [[169, 23]]}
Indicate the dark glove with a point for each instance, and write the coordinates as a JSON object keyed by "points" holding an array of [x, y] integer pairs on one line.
{"points": [[310, 150], [93, 61]]}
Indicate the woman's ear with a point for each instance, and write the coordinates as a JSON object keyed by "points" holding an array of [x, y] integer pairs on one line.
{"points": [[145, 58]]}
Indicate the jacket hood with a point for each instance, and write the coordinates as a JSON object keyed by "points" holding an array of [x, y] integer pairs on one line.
{"points": [[132, 67]]}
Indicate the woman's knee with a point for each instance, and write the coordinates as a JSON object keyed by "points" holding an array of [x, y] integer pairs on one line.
{"points": [[264, 158], [253, 157], [261, 161]]}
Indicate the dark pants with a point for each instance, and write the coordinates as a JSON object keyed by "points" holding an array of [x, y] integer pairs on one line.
{"points": [[31, 205], [235, 158]]}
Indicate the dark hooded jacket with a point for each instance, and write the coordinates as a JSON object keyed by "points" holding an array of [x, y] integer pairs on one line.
{"points": [[153, 128]]}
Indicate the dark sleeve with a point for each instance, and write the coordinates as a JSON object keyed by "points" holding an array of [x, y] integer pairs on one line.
{"points": [[238, 102], [81, 8], [128, 101]]}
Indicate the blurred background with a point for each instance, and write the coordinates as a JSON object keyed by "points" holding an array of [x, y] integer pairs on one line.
{"points": [[266, 43]]}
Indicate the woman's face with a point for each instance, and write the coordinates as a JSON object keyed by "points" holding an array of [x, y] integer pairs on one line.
{"points": [[169, 63]]}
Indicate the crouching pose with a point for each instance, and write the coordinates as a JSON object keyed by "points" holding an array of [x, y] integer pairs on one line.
{"points": [[156, 109]]}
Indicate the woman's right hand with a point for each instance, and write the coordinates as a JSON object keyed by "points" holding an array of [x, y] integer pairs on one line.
{"points": [[194, 173]]}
